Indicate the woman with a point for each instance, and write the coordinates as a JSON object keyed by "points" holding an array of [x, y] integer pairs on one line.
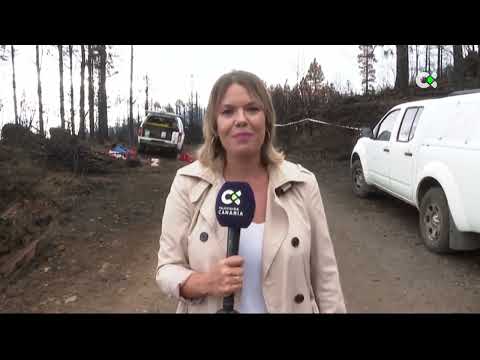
{"points": [[286, 261]]}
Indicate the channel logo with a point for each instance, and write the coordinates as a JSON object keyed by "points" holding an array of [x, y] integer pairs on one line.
{"points": [[425, 80], [233, 197]]}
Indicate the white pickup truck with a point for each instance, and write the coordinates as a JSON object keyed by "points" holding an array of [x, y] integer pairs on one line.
{"points": [[427, 153]]}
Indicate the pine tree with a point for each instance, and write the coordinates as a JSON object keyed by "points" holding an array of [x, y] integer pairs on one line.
{"points": [[366, 60], [315, 76]]}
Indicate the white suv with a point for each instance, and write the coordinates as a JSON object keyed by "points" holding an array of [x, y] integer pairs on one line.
{"points": [[161, 130], [427, 153]]}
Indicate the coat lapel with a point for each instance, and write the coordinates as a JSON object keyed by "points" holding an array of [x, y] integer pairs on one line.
{"points": [[277, 222], [276, 229], [207, 211], [211, 183]]}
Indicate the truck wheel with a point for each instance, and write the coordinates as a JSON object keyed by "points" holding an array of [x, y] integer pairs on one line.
{"points": [[360, 187], [435, 221]]}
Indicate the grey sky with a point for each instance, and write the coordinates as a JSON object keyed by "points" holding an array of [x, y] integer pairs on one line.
{"points": [[170, 69]]}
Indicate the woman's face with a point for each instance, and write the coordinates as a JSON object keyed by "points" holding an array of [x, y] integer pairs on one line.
{"points": [[240, 122]]}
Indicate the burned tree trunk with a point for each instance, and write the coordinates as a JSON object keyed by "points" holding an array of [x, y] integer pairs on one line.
{"points": [[102, 96], [91, 93], [81, 132], [14, 84], [401, 81], [39, 92], [130, 120], [72, 111], [60, 68], [458, 66]]}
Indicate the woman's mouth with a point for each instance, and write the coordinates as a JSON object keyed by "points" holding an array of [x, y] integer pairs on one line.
{"points": [[243, 136]]}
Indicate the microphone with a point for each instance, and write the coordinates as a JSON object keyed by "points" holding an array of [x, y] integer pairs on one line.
{"points": [[235, 207]]}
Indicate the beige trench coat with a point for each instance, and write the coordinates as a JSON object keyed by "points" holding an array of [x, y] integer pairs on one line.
{"points": [[300, 273]]}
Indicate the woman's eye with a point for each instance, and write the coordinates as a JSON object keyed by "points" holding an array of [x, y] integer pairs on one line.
{"points": [[227, 112], [253, 109]]}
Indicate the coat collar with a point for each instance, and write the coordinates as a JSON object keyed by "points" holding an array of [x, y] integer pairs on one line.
{"points": [[280, 177]]}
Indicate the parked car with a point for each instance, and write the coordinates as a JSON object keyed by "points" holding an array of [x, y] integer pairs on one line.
{"points": [[427, 153], [161, 130]]}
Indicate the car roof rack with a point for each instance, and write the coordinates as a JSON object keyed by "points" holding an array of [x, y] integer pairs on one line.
{"points": [[463, 92], [161, 113]]}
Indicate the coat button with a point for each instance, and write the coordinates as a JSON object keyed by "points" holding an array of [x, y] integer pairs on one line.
{"points": [[203, 237], [299, 298], [295, 242]]}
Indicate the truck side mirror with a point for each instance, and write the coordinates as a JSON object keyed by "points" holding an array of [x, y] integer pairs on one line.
{"points": [[366, 132]]}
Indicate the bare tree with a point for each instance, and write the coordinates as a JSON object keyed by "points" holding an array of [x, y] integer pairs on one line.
{"points": [[197, 117], [81, 131], [458, 68], [60, 68], [427, 58], [72, 111], [178, 107], [416, 60], [130, 119], [102, 94], [146, 94], [439, 61], [91, 92], [39, 92], [478, 67], [12, 54], [401, 81]]}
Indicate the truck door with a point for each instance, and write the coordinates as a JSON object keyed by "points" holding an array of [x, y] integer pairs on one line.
{"points": [[379, 158], [403, 155]]}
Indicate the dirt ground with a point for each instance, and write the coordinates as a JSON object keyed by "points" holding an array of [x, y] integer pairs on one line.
{"points": [[102, 258]]}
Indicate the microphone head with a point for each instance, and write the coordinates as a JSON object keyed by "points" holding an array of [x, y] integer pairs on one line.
{"points": [[235, 205]]}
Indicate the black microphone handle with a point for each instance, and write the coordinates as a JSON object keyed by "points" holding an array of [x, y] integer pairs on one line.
{"points": [[233, 241], [233, 244]]}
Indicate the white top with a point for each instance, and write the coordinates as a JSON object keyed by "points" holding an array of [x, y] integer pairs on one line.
{"points": [[251, 241]]}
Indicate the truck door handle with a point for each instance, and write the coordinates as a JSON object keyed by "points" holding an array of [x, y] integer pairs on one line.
{"points": [[408, 154], [386, 150]]}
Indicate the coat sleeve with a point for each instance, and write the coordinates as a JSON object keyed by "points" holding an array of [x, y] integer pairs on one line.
{"points": [[323, 264], [173, 268]]}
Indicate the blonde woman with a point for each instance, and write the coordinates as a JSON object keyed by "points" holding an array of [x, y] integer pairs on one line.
{"points": [[286, 261]]}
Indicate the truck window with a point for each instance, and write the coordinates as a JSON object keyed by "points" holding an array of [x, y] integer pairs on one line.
{"points": [[406, 125], [415, 123], [386, 126]]}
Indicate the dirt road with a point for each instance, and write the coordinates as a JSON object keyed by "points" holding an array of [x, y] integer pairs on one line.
{"points": [[103, 258]]}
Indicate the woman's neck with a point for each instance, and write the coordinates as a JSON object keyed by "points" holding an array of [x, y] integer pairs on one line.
{"points": [[238, 169]]}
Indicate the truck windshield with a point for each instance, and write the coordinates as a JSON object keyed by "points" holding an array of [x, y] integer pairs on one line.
{"points": [[165, 122]]}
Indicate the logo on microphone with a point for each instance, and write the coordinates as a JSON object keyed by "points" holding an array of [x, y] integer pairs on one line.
{"points": [[230, 196], [424, 80]]}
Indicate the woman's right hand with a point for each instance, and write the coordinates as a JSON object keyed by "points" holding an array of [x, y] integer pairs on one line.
{"points": [[226, 276]]}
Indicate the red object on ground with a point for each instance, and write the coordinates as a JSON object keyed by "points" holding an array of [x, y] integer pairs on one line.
{"points": [[131, 154], [186, 157]]}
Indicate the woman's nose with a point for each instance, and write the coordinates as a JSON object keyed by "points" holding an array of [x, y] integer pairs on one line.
{"points": [[240, 117]]}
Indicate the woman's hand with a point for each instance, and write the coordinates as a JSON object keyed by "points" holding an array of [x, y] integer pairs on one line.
{"points": [[226, 277]]}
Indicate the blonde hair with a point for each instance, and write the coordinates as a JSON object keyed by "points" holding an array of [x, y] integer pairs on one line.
{"points": [[212, 154]]}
